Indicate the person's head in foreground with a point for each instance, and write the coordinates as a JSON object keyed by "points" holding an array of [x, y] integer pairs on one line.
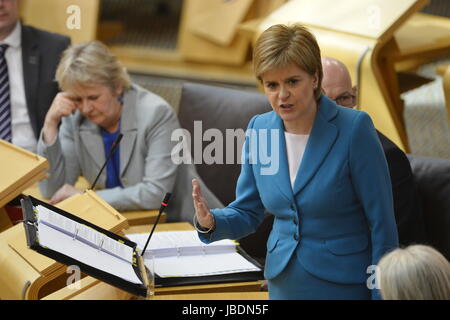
{"points": [[417, 272]]}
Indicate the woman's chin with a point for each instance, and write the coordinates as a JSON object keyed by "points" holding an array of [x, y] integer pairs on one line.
{"points": [[287, 114]]}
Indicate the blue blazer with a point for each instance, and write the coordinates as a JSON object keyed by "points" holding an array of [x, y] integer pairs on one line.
{"points": [[339, 214]]}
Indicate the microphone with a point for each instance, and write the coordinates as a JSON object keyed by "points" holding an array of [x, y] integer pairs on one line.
{"points": [[164, 204], [113, 148]]}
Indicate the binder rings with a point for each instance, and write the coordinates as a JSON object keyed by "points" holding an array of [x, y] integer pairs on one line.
{"points": [[81, 238], [212, 279]]}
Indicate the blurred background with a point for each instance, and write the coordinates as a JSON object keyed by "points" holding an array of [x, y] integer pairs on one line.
{"points": [[398, 52]]}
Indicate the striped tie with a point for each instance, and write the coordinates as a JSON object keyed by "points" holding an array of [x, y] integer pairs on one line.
{"points": [[5, 103]]}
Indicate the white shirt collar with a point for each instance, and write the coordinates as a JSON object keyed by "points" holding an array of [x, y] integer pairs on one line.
{"points": [[14, 39]]}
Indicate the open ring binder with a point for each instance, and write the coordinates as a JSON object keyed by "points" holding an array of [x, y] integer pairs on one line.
{"points": [[76, 245]]}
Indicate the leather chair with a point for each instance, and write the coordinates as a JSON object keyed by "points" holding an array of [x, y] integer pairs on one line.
{"points": [[224, 108], [432, 178]]}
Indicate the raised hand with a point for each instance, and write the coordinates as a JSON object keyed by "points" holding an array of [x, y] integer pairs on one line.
{"points": [[204, 218]]}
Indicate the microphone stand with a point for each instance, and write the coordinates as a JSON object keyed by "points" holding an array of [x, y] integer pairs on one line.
{"points": [[113, 148], [164, 204]]}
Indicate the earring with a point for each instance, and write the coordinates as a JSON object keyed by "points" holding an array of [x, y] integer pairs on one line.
{"points": [[120, 99]]}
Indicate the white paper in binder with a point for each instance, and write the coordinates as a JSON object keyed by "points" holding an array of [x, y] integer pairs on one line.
{"points": [[182, 254]]}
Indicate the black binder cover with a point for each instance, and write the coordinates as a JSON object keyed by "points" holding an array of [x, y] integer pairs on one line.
{"points": [[30, 224]]}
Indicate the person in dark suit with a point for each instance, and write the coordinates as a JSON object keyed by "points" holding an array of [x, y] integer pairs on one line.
{"points": [[326, 183], [337, 85], [31, 56]]}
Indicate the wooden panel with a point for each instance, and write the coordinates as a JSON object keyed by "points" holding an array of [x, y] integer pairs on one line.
{"points": [[90, 207], [422, 34], [173, 226], [347, 48], [217, 20], [262, 8], [18, 242], [249, 286], [18, 190], [92, 289], [136, 218], [446, 84], [133, 217], [253, 295], [5, 222], [374, 99], [191, 70], [89, 289], [56, 16], [366, 18], [15, 271], [20, 169], [195, 48], [350, 49]]}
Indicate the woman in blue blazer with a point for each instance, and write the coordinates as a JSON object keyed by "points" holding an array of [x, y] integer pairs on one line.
{"points": [[327, 183]]}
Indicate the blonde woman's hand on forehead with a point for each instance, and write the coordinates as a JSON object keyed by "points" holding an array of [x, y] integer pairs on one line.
{"points": [[62, 106]]}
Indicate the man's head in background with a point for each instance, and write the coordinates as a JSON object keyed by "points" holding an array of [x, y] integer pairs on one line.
{"points": [[337, 83], [9, 15]]}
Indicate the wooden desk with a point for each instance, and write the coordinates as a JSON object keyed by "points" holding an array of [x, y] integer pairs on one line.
{"points": [[257, 295], [5, 223], [92, 289], [26, 274], [421, 39], [134, 217], [137, 218], [19, 170]]}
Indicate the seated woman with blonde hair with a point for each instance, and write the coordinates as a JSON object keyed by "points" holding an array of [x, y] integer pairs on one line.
{"points": [[417, 272], [97, 103]]}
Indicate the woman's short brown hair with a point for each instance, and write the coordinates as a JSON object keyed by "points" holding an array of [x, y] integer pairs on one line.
{"points": [[91, 63], [281, 45]]}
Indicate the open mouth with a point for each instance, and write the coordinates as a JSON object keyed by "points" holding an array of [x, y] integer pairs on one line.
{"points": [[286, 106]]}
